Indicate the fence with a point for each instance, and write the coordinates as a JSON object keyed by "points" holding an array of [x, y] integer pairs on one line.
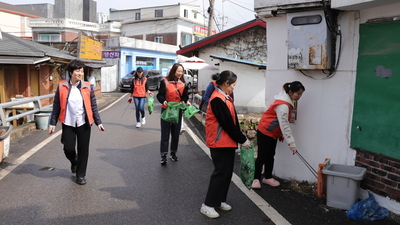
{"points": [[37, 107]]}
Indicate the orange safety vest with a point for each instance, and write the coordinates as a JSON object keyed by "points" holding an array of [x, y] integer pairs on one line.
{"points": [[173, 91], [216, 137], [63, 88], [269, 124], [139, 87]]}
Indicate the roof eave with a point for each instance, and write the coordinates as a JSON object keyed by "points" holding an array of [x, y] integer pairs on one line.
{"points": [[219, 36]]}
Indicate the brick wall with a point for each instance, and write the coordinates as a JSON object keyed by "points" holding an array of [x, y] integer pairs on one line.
{"points": [[383, 174]]}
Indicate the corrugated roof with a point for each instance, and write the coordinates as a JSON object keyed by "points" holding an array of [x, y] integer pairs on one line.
{"points": [[259, 65], [11, 45], [20, 10]]}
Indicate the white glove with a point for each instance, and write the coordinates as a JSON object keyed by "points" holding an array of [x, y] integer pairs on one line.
{"points": [[51, 129], [246, 145], [100, 126], [293, 148], [165, 103]]}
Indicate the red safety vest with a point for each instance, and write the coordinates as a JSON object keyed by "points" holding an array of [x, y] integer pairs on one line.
{"points": [[139, 87], [63, 88], [269, 124], [216, 137], [173, 91]]}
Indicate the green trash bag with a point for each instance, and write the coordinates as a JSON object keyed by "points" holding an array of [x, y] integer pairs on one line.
{"points": [[190, 111], [150, 103], [171, 114], [247, 166]]}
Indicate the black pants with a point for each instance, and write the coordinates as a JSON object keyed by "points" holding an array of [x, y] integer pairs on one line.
{"points": [[168, 129], [266, 153], [80, 137], [223, 159]]}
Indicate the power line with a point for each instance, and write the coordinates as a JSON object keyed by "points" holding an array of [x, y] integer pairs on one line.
{"points": [[251, 10]]}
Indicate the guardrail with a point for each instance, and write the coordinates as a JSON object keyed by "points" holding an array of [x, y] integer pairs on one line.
{"points": [[196, 100], [37, 107]]}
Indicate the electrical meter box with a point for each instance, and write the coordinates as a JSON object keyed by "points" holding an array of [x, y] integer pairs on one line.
{"points": [[309, 41]]}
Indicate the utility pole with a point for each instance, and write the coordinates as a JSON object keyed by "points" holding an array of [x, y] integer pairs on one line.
{"points": [[210, 18]]}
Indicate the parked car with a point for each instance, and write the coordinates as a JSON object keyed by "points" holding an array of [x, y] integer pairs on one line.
{"points": [[189, 79], [153, 80]]}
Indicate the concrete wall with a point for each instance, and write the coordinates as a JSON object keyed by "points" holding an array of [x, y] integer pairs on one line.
{"points": [[250, 89], [149, 27], [324, 111], [72, 9], [322, 129], [15, 24], [89, 11], [46, 9]]}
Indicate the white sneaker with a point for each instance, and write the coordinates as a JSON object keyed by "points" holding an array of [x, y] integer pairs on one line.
{"points": [[144, 120], [224, 206], [138, 125], [209, 211]]}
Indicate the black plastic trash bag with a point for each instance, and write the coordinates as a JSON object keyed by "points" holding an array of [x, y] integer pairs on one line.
{"points": [[247, 166], [367, 210]]}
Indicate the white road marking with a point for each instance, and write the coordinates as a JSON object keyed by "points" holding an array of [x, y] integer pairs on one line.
{"points": [[4, 172], [268, 210]]}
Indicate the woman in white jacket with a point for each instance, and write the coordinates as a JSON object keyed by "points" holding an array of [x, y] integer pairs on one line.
{"points": [[274, 125]]}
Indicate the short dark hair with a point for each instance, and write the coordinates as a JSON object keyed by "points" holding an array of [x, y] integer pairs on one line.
{"points": [[75, 64], [139, 69]]}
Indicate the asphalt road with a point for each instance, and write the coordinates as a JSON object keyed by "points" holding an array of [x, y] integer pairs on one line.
{"points": [[127, 185], [125, 182]]}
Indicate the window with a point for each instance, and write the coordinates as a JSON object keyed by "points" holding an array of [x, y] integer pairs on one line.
{"points": [[185, 13], [198, 38], [306, 20], [137, 16], [158, 39], [50, 37], [186, 39], [158, 13]]}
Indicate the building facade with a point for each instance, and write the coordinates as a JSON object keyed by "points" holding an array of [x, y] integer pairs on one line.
{"points": [[346, 113], [178, 25], [15, 20]]}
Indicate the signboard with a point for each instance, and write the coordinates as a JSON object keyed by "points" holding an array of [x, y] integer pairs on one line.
{"points": [[202, 31], [111, 54], [89, 48]]}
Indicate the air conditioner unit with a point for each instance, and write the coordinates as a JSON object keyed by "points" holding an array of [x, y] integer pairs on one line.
{"points": [[309, 41]]}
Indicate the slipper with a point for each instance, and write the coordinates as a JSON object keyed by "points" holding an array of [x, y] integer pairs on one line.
{"points": [[256, 184], [271, 182]]}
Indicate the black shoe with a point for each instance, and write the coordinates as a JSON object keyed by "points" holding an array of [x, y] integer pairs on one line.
{"points": [[73, 168], [163, 159], [173, 157], [80, 180]]}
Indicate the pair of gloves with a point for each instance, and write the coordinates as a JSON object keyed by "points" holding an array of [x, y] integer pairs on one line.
{"points": [[52, 128]]}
